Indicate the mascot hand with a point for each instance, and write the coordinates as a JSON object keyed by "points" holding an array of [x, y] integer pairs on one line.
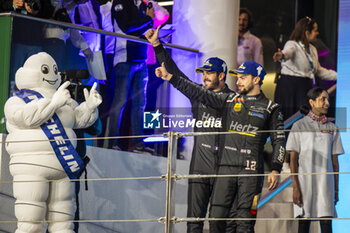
{"points": [[61, 96], [92, 99]]}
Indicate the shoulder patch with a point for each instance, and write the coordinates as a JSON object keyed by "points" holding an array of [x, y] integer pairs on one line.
{"points": [[256, 114], [271, 106], [232, 97]]}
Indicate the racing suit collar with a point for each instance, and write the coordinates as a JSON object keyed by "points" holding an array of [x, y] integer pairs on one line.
{"points": [[226, 89], [253, 97]]}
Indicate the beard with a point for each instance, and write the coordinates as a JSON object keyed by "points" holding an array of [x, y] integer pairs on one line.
{"points": [[212, 85], [242, 29], [246, 90]]}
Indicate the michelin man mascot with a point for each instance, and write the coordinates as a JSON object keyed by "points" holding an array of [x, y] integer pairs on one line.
{"points": [[44, 113]]}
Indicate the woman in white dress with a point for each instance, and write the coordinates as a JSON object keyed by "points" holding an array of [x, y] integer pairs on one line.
{"points": [[314, 145]]}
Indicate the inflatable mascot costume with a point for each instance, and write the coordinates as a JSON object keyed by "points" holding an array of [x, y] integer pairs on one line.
{"points": [[44, 113]]}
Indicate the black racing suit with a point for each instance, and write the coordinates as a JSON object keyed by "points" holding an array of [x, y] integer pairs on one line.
{"points": [[241, 152], [204, 154]]}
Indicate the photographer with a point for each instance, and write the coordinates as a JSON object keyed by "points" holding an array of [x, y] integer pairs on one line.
{"points": [[26, 34], [38, 8], [20, 6]]}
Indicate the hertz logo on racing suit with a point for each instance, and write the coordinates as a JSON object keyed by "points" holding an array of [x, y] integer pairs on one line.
{"points": [[206, 117], [248, 130]]}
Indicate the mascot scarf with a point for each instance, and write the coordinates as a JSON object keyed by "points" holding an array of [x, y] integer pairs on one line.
{"points": [[54, 130]]}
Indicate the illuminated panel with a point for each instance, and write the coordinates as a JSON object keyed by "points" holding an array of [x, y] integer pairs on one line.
{"points": [[343, 96]]}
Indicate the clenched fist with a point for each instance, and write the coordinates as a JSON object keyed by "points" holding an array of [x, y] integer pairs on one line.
{"points": [[152, 36], [161, 72]]}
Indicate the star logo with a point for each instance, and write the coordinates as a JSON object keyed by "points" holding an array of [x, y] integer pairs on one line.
{"points": [[151, 120], [156, 115]]}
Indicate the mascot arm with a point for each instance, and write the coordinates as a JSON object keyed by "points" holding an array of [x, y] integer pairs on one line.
{"points": [[30, 115], [84, 116], [86, 113]]}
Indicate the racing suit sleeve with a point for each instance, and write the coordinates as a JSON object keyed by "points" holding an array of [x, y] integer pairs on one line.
{"points": [[128, 19], [194, 91], [277, 137], [170, 65]]}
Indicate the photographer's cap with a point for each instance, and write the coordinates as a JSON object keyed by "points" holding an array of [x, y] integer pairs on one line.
{"points": [[250, 67], [213, 64]]}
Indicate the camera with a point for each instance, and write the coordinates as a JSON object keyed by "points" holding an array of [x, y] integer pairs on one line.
{"points": [[35, 5], [76, 88]]}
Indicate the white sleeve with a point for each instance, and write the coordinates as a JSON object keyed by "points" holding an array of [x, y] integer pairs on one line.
{"points": [[320, 71], [77, 39], [289, 49], [258, 52], [293, 142], [337, 146]]}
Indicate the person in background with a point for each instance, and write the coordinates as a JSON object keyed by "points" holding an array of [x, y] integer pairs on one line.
{"points": [[299, 66], [314, 144], [55, 36], [131, 75], [21, 6], [97, 14], [249, 46], [22, 45]]}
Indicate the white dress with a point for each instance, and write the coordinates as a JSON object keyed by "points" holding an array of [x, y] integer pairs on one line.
{"points": [[315, 142]]}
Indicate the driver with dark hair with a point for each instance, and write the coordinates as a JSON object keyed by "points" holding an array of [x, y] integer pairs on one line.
{"points": [[205, 154], [245, 114]]}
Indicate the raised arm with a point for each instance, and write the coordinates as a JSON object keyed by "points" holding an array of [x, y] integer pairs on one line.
{"points": [[162, 55], [287, 53], [192, 90]]}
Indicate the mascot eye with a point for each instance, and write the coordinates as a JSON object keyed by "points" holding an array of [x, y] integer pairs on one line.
{"points": [[45, 69], [55, 69]]}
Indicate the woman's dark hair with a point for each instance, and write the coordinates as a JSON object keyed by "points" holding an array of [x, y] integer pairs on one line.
{"points": [[250, 16], [311, 94], [303, 25]]}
